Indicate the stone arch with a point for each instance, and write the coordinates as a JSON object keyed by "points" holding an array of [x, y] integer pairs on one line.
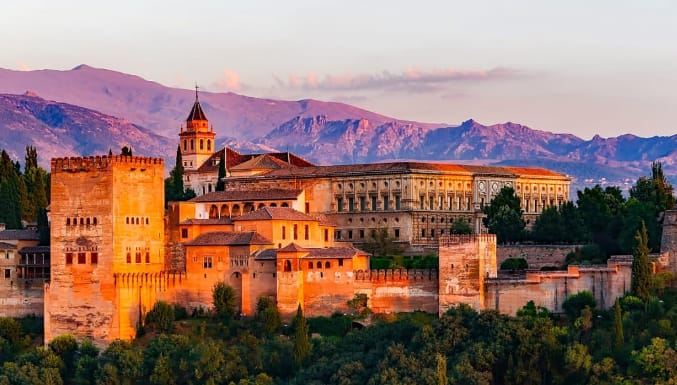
{"points": [[261, 205], [284, 204], [209, 145], [287, 265], [273, 204], [225, 211], [248, 207], [236, 210], [213, 212]]}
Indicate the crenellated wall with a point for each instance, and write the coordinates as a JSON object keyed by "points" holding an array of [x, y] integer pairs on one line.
{"points": [[537, 256], [398, 290]]}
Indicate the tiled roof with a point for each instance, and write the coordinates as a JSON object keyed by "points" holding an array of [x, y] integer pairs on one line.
{"points": [[196, 112], [19, 235], [229, 238], [266, 254], [234, 158], [281, 213], [34, 250], [7, 246], [292, 247], [334, 252], [402, 167], [247, 195], [210, 165], [209, 221], [264, 161]]}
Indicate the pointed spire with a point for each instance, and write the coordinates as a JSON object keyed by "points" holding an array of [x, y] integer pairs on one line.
{"points": [[196, 112]]}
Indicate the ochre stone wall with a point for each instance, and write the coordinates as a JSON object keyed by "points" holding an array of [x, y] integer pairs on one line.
{"points": [[398, 290], [537, 256]]}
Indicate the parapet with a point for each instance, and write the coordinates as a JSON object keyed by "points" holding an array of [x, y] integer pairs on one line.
{"points": [[455, 239], [90, 163], [396, 275]]}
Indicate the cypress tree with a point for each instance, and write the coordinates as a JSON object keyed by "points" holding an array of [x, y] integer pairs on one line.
{"points": [[10, 197], [641, 273], [301, 341], [619, 340], [43, 227], [221, 184]]}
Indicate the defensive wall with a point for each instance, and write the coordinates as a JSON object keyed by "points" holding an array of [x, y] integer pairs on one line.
{"points": [[537, 256], [399, 290]]}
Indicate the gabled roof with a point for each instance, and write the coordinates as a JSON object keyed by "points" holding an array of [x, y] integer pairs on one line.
{"points": [[234, 158], [264, 161], [35, 250], [19, 235], [196, 112], [267, 254], [292, 247], [334, 252], [229, 238], [281, 213], [247, 195], [7, 246]]}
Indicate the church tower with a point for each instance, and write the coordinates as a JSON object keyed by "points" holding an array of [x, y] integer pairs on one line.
{"points": [[197, 139]]}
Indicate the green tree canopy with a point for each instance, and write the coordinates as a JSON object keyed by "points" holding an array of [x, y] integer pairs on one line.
{"points": [[504, 216]]}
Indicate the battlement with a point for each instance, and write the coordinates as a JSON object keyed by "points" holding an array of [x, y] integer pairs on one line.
{"points": [[456, 239], [106, 162], [395, 275]]}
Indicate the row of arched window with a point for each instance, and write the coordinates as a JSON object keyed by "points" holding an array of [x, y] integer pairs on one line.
{"points": [[192, 144], [137, 220], [82, 221], [227, 211]]}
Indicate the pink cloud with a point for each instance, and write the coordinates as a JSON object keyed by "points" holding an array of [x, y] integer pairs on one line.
{"points": [[229, 81], [409, 80]]}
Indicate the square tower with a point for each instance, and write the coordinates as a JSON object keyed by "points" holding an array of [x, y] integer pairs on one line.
{"points": [[107, 238]]}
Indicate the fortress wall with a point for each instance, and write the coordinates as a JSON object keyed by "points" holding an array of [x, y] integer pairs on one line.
{"points": [[398, 290], [537, 256], [22, 299]]}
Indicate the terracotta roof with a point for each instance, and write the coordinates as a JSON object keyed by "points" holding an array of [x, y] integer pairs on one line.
{"points": [[247, 195], [229, 238], [282, 213], [209, 221], [19, 235], [196, 112], [528, 171], [266, 254], [234, 158], [264, 161], [334, 252], [292, 247], [210, 165], [7, 246], [34, 250]]}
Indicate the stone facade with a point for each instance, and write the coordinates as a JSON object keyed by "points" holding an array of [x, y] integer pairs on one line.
{"points": [[537, 256]]}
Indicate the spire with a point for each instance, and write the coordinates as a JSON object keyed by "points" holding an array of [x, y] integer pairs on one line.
{"points": [[196, 112]]}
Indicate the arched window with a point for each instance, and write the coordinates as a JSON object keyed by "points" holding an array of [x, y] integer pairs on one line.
{"points": [[88, 222], [285, 204], [209, 145], [296, 232], [185, 145], [127, 220], [82, 221], [287, 265], [202, 144], [213, 212], [68, 221], [310, 265], [94, 220], [273, 204], [225, 212], [192, 144], [327, 265]]}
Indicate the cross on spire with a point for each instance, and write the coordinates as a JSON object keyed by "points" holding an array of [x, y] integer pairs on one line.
{"points": [[196, 87]]}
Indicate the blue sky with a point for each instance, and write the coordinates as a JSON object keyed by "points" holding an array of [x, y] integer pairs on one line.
{"points": [[583, 67]]}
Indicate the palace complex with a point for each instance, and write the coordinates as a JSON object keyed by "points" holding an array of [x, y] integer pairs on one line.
{"points": [[283, 228]]}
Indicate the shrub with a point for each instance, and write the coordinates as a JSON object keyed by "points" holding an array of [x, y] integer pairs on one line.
{"points": [[161, 317], [514, 264]]}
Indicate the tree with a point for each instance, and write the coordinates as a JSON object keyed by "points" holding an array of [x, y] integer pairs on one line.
{"points": [[641, 271], [43, 227], [161, 316], [577, 302], [549, 226], [602, 213], [461, 226], [126, 151], [10, 195], [221, 183], [225, 300], [267, 316], [381, 244], [174, 190], [504, 216], [618, 338], [301, 340]]}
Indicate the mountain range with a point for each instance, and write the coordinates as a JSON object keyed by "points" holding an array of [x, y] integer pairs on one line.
{"points": [[86, 111]]}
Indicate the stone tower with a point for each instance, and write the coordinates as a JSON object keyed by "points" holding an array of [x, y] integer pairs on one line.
{"points": [[669, 238], [465, 262], [197, 139], [107, 237]]}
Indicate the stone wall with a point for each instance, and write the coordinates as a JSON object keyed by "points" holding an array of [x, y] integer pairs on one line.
{"points": [[537, 256], [399, 290]]}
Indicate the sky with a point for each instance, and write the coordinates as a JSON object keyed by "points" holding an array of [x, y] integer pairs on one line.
{"points": [[606, 67]]}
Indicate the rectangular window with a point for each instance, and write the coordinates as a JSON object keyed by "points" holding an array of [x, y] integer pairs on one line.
{"points": [[284, 232], [307, 207], [147, 256], [385, 203], [129, 257], [326, 235], [138, 257], [296, 232], [184, 233], [82, 258], [422, 202], [373, 233], [306, 232], [423, 233], [207, 262], [351, 204], [432, 233], [363, 204], [8, 273], [94, 258], [361, 233], [397, 202], [339, 204], [69, 258], [340, 262], [6, 254], [397, 233], [338, 234], [373, 203], [431, 205], [350, 234]]}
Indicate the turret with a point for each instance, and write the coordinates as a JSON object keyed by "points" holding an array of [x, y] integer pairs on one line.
{"points": [[197, 138]]}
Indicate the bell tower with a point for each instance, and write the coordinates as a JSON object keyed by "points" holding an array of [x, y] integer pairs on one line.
{"points": [[197, 138]]}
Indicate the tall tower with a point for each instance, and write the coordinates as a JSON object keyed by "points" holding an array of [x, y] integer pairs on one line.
{"points": [[197, 139]]}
